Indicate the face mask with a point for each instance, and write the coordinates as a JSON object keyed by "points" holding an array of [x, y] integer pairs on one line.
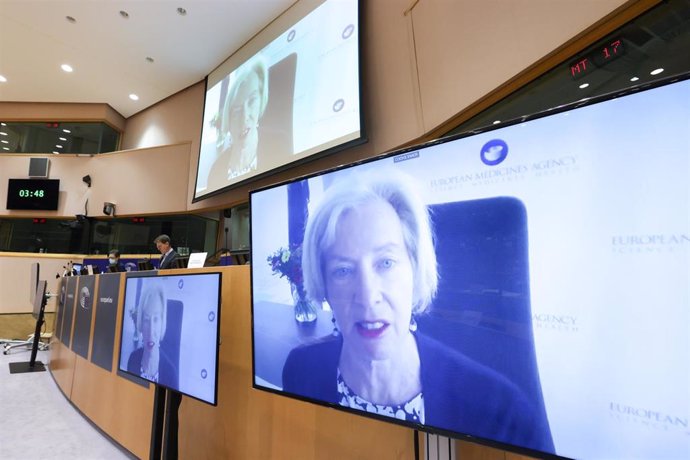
{"points": [[112, 261]]}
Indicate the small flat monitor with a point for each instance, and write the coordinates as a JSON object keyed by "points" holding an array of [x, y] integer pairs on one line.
{"points": [[170, 330], [37, 300], [144, 265], [33, 282], [115, 268], [181, 262]]}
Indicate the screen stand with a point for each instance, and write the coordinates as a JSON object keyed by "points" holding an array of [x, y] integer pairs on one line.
{"points": [[164, 427], [32, 365], [172, 405], [158, 418]]}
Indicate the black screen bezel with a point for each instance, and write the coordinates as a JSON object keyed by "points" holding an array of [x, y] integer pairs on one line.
{"points": [[362, 139], [219, 276], [34, 281], [427, 428]]}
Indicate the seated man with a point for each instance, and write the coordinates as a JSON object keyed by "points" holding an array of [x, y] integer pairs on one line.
{"points": [[114, 264]]}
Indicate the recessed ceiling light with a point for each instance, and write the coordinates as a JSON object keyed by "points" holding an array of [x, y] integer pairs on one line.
{"points": [[124, 14], [496, 122], [62, 138], [58, 146], [70, 19], [3, 133], [584, 85], [634, 78], [134, 97], [66, 67], [5, 148], [3, 124], [56, 152], [4, 141], [66, 131], [656, 71], [3, 79], [181, 11]]}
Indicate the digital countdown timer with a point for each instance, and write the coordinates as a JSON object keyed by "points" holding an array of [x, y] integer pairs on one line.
{"points": [[33, 194], [39, 193], [599, 57]]}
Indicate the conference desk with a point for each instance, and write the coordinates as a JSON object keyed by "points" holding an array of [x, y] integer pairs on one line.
{"points": [[246, 423], [84, 356]]}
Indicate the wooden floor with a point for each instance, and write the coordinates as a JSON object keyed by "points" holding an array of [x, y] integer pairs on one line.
{"points": [[20, 326]]}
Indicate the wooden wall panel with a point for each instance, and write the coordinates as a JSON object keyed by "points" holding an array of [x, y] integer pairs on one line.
{"points": [[62, 363], [121, 408], [14, 283], [116, 405]]}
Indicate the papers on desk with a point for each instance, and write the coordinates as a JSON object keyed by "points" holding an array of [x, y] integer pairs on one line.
{"points": [[197, 259]]}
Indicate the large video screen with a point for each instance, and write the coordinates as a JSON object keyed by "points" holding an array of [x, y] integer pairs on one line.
{"points": [[291, 93], [524, 287], [170, 328]]}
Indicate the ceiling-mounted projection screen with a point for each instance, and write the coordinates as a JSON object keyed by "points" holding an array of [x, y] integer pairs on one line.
{"points": [[290, 93]]}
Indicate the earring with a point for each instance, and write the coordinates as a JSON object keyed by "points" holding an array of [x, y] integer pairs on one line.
{"points": [[335, 332], [413, 324]]}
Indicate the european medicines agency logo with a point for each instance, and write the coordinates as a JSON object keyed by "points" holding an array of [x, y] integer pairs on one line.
{"points": [[85, 298], [650, 243], [494, 152], [553, 322], [646, 417]]}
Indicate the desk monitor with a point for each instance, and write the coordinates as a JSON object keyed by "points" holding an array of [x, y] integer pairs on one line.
{"points": [[39, 307], [170, 330], [33, 285], [181, 262], [143, 265], [524, 286]]}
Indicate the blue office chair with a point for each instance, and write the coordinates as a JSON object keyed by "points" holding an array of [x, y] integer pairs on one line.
{"points": [[170, 344], [482, 307]]}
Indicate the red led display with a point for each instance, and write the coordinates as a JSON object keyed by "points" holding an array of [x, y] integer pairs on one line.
{"points": [[601, 55]]}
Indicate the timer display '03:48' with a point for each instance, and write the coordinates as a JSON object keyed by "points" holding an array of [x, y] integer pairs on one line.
{"points": [[31, 193]]}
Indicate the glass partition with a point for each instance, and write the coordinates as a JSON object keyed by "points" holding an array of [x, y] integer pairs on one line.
{"points": [[653, 46], [189, 233], [58, 137]]}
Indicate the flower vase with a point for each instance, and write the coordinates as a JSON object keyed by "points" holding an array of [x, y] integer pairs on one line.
{"points": [[305, 311]]}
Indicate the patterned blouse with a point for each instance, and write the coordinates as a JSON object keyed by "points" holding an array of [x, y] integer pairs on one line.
{"points": [[411, 411]]}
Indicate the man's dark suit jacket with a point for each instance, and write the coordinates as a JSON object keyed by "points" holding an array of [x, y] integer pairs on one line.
{"points": [[169, 261]]}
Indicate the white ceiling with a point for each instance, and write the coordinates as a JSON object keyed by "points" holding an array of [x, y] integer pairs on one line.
{"points": [[108, 52]]}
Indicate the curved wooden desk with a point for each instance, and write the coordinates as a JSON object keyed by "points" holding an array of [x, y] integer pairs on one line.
{"points": [[247, 423]]}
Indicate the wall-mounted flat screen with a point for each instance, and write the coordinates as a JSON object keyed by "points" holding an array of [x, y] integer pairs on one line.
{"points": [[170, 330], [33, 194], [524, 287], [289, 94]]}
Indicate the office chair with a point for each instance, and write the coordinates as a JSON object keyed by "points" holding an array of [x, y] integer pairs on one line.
{"points": [[171, 340], [11, 344], [482, 307]]}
